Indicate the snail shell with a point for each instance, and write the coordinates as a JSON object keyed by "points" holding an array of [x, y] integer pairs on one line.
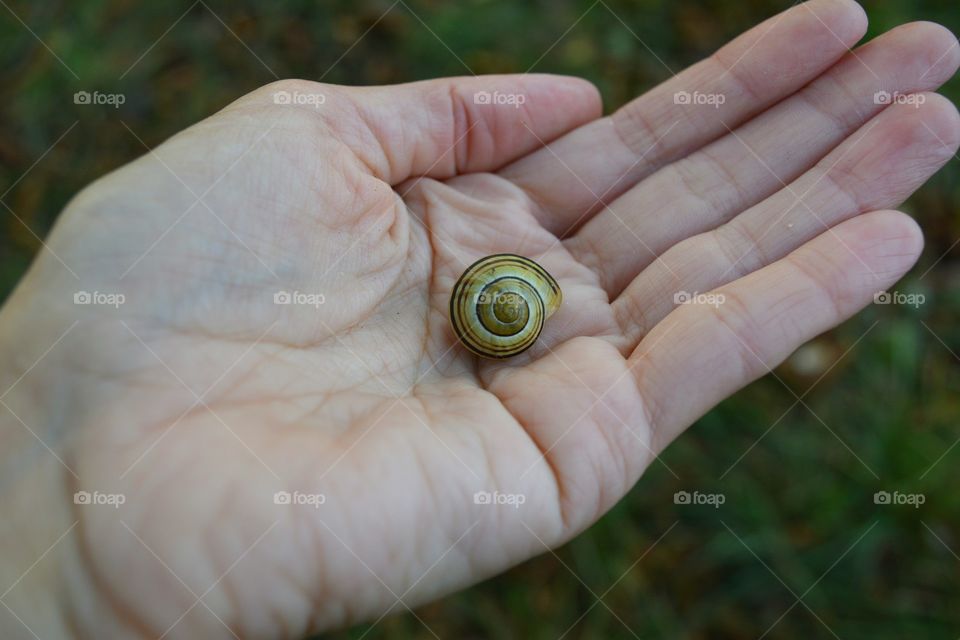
{"points": [[499, 305]]}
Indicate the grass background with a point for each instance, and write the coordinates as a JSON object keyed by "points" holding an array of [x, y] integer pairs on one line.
{"points": [[799, 517]]}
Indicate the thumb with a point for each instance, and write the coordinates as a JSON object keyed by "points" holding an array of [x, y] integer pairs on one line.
{"points": [[444, 127]]}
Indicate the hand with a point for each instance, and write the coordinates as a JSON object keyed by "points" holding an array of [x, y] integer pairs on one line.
{"points": [[182, 412]]}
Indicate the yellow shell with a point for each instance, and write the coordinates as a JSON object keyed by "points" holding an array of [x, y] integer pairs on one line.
{"points": [[499, 305]]}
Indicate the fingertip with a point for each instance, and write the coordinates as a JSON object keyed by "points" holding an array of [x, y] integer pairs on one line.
{"points": [[934, 121], [578, 96], [922, 55], [858, 20], [922, 129], [802, 40], [887, 241], [895, 224], [846, 19], [941, 119], [943, 53]]}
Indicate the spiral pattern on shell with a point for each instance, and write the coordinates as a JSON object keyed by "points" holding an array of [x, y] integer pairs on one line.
{"points": [[499, 305]]}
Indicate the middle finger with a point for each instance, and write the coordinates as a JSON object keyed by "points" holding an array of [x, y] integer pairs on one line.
{"points": [[709, 187]]}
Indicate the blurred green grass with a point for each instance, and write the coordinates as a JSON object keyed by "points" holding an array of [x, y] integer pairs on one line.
{"points": [[799, 518]]}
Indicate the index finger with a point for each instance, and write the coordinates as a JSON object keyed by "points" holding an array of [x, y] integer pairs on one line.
{"points": [[572, 177]]}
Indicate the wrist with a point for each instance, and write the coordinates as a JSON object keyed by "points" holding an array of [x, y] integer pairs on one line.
{"points": [[37, 553]]}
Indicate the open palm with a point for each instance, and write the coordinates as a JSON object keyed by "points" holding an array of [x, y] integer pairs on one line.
{"points": [[298, 438]]}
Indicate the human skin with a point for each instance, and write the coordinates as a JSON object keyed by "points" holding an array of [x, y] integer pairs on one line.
{"points": [[199, 398]]}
